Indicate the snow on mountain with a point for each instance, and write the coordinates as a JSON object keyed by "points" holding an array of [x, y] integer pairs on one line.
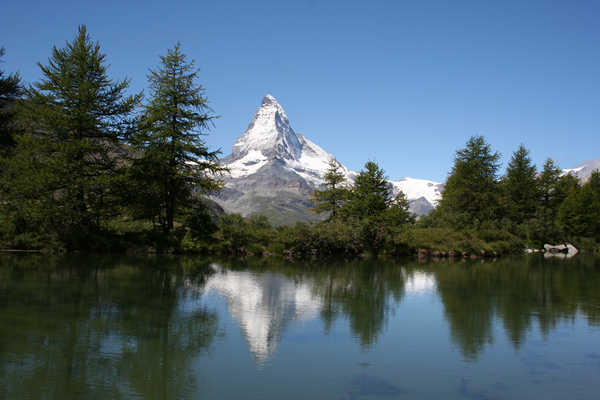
{"points": [[269, 132], [271, 136], [274, 170], [417, 188], [584, 171]]}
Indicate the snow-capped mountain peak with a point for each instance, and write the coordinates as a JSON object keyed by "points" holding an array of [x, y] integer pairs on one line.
{"points": [[270, 136], [274, 171], [269, 133]]}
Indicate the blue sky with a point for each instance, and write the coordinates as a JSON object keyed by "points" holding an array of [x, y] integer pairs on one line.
{"points": [[404, 83]]}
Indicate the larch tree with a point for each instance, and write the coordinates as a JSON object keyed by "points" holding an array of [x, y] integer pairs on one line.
{"points": [[372, 206], [579, 214], [10, 90], [330, 198], [62, 174], [471, 194], [520, 187], [371, 193], [549, 201], [174, 163]]}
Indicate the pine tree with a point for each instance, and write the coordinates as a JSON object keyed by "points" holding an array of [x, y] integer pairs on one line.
{"points": [[471, 194], [174, 156], [10, 91], [331, 197], [64, 165], [520, 187]]}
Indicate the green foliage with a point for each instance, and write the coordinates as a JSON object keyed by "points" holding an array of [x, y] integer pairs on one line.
{"points": [[237, 234], [10, 91], [520, 187], [331, 198], [579, 213], [549, 201], [372, 210], [397, 214], [469, 241], [370, 196], [61, 177], [471, 195], [199, 221], [553, 188], [334, 238], [79, 171], [173, 161]]}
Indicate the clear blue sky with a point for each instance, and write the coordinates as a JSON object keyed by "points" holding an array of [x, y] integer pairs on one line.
{"points": [[404, 83]]}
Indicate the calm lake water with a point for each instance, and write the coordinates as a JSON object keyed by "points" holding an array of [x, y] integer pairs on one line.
{"points": [[85, 327]]}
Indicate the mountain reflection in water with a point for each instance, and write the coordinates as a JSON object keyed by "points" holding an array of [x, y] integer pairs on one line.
{"points": [[263, 304], [104, 327]]}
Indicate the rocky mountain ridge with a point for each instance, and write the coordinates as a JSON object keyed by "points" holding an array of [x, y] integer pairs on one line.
{"points": [[274, 170]]}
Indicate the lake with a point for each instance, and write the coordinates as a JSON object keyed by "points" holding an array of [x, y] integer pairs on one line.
{"points": [[95, 327]]}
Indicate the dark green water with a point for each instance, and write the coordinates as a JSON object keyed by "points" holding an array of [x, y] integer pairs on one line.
{"points": [[84, 327]]}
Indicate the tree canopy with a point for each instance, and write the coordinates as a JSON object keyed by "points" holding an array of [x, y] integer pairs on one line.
{"points": [[471, 193], [520, 186], [330, 198], [66, 160], [174, 162], [10, 90]]}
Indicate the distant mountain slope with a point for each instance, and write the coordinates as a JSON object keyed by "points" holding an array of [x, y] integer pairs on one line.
{"points": [[584, 171], [274, 170]]}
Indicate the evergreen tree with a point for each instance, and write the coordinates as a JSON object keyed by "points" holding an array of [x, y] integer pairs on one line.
{"points": [[549, 202], [10, 91], [62, 174], [520, 187], [373, 208], [174, 156], [330, 199], [579, 214], [471, 194], [371, 194], [398, 213]]}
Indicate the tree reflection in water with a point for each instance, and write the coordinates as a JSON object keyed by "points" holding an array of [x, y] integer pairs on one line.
{"points": [[359, 291], [107, 328], [90, 327], [515, 292]]}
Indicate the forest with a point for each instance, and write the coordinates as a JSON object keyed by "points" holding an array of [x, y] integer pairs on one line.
{"points": [[87, 166]]}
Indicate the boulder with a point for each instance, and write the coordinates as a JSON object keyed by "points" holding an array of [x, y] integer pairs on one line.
{"points": [[560, 250]]}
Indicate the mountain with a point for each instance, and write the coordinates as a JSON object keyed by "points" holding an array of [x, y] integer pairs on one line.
{"points": [[584, 171], [274, 170], [423, 195]]}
